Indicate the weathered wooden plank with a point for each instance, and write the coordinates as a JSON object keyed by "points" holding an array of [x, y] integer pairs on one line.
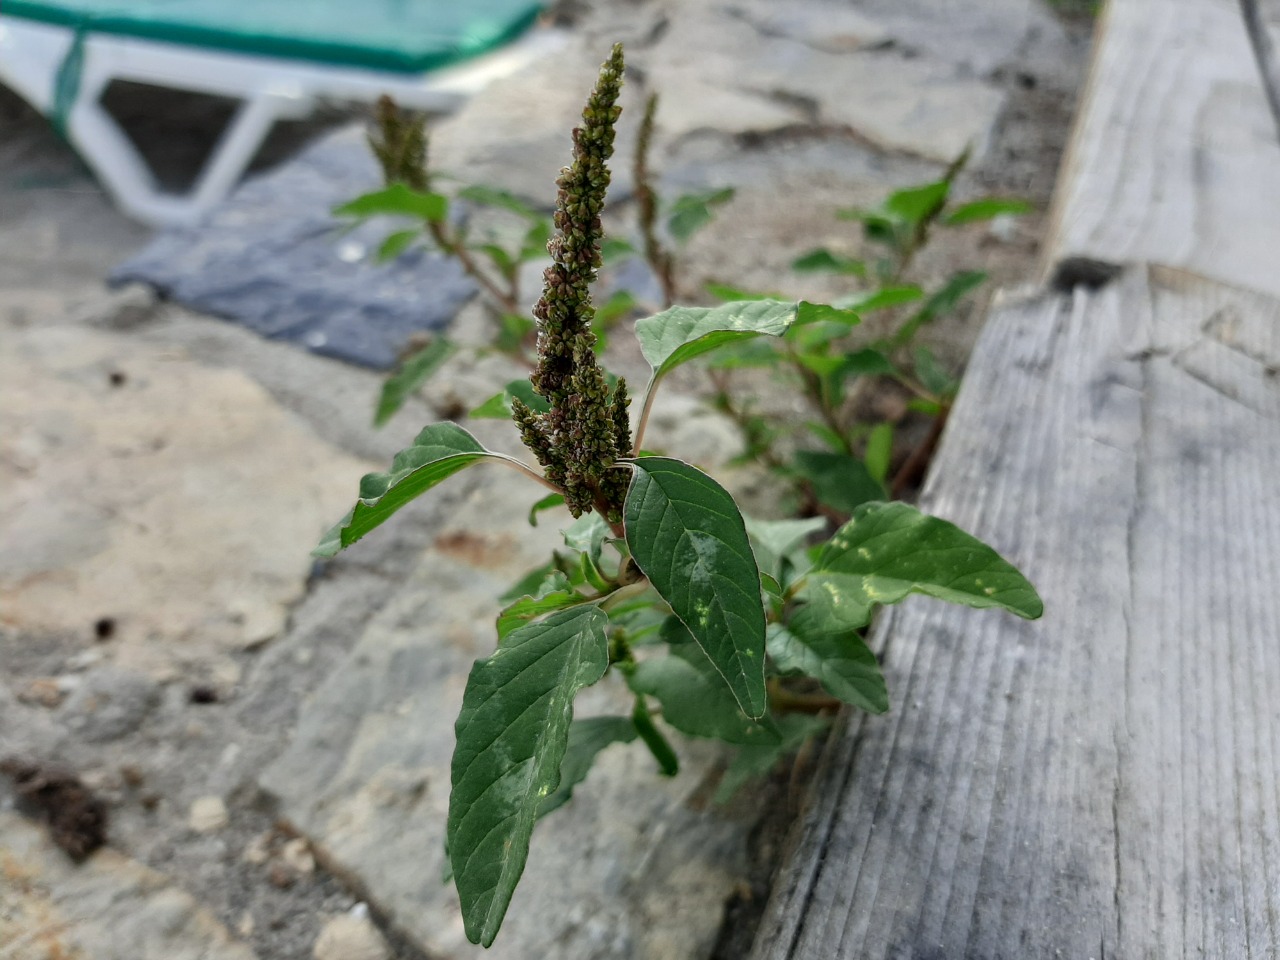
{"points": [[1103, 783], [1262, 22], [1175, 156]]}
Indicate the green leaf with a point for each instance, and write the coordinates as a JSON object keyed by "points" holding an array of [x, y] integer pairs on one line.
{"points": [[692, 212], [838, 658], [534, 244], [807, 313], [512, 733], [587, 534], [615, 308], [587, 737], [823, 260], [879, 451], [915, 205], [530, 583], [514, 329], [868, 361], [439, 451], [493, 197], [396, 244], [936, 380], [686, 534], [399, 200], [613, 250], [754, 762], [722, 291], [744, 353], [499, 407], [659, 746], [985, 209], [502, 261], [890, 550], [553, 593], [679, 334], [695, 699], [942, 302], [413, 372], [546, 503], [840, 481], [773, 540], [922, 405], [882, 299]]}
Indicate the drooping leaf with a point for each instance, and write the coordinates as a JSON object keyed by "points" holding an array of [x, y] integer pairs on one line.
{"points": [[412, 373], [686, 534], [396, 244], [838, 658], [499, 407], [773, 540], [840, 481], [397, 199], [691, 212], [985, 209], [553, 593], [823, 260], [550, 501], [889, 550], [587, 737], [756, 761], [439, 451], [679, 334], [659, 746], [695, 699], [493, 197], [512, 735], [882, 299]]}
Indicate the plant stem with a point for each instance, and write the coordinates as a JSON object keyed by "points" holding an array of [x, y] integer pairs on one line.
{"points": [[914, 468], [453, 245], [659, 260], [785, 701], [526, 470]]}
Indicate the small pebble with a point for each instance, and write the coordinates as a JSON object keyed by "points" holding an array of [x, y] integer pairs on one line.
{"points": [[297, 856], [208, 814], [258, 850], [42, 692], [350, 937]]}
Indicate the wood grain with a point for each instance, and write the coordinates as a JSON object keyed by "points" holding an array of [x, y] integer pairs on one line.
{"points": [[1175, 157], [1105, 782]]}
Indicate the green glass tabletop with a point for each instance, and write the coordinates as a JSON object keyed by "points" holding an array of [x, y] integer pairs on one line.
{"points": [[410, 36]]}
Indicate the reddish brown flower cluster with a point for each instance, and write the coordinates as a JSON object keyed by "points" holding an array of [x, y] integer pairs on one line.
{"points": [[586, 430]]}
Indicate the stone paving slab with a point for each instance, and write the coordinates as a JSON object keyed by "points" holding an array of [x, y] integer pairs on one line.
{"points": [[275, 259], [108, 908], [152, 500]]}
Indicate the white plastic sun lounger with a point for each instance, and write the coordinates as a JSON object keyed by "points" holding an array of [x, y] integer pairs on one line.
{"points": [[278, 58]]}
